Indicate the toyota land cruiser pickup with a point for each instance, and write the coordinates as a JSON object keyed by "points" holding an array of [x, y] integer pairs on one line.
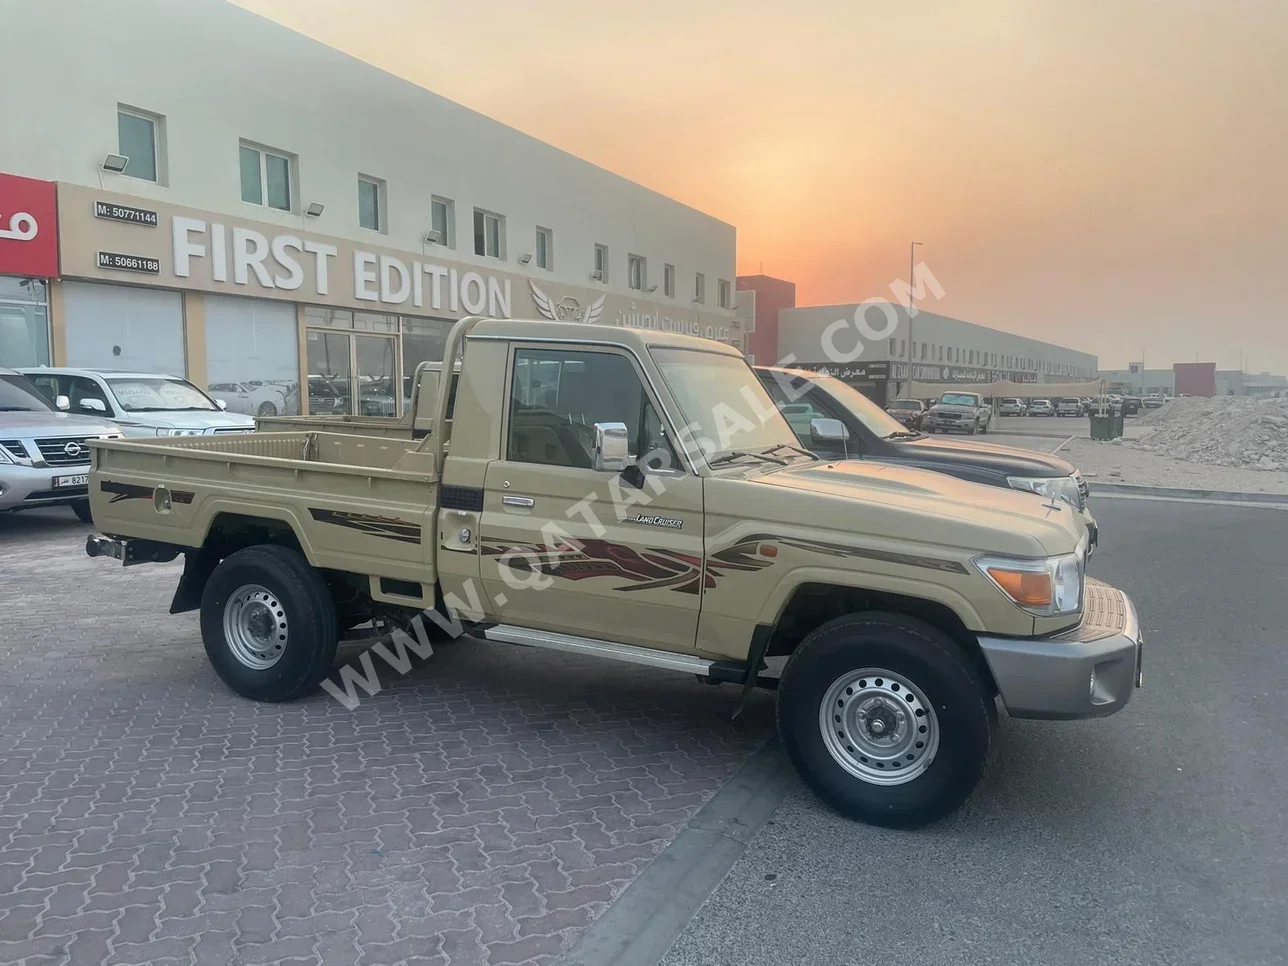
{"points": [[637, 496]]}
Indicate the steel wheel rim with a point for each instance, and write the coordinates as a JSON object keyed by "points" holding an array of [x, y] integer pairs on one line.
{"points": [[879, 726], [255, 627]]}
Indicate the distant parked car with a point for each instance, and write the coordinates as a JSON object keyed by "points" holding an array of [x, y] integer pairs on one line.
{"points": [[909, 412], [253, 398], [1012, 407], [1154, 401], [1041, 407], [44, 452], [1069, 406], [1131, 405], [140, 403], [961, 412]]}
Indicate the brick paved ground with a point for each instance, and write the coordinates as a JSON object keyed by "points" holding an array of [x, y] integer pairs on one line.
{"points": [[482, 810]]}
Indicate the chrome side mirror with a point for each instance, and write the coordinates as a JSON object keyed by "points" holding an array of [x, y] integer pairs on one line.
{"points": [[94, 405], [221, 403], [612, 447], [62, 403], [828, 431]]}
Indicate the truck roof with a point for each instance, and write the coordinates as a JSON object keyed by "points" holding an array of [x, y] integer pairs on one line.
{"points": [[639, 340]]}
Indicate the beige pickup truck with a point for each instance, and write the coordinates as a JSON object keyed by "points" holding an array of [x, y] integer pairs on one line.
{"points": [[638, 496]]}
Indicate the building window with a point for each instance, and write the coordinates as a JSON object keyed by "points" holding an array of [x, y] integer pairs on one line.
{"points": [[545, 249], [893, 344], [601, 263], [722, 291], [266, 178], [442, 221], [903, 347], [636, 272], [668, 281], [24, 322], [371, 203], [923, 351], [138, 139], [699, 287], [489, 234]]}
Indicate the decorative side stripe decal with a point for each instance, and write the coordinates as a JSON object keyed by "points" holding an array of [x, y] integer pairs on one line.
{"points": [[136, 491], [391, 528], [871, 553]]}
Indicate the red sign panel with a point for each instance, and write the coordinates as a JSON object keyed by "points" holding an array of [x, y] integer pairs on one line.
{"points": [[28, 227]]}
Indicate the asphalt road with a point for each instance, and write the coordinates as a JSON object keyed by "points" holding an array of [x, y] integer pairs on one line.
{"points": [[1157, 836], [1053, 426]]}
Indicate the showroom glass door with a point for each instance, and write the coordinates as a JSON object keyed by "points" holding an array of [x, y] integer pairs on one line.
{"points": [[376, 372], [330, 372]]}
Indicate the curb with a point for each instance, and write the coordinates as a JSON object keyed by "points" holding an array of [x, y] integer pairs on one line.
{"points": [[646, 919], [1181, 493]]}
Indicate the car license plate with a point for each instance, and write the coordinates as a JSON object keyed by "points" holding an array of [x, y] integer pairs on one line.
{"points": [[76, 479]]}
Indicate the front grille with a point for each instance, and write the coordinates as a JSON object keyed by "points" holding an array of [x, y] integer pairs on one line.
{"points": [[15, 448], [54, 451], [949, 415]]}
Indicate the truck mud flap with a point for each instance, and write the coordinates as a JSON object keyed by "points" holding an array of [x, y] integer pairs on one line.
{"points": [[198, 565]]}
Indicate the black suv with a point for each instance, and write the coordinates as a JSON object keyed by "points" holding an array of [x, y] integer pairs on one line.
{"points": [[874, 434]]}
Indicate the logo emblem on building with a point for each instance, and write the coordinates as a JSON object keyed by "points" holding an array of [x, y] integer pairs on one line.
{"points": [[567, 309]]}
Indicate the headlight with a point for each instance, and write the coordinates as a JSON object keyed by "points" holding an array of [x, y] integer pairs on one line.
{"points": [[1059, 487], [179, 432], [1045, 587]]}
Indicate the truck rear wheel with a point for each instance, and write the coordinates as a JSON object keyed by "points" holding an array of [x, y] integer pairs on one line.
{"points": [[885, 719], [268, 623]]}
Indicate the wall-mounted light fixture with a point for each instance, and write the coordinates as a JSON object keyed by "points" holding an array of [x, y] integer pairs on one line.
{"points": [[525, 258], [115, 163], [433, 236], [315, 209]]}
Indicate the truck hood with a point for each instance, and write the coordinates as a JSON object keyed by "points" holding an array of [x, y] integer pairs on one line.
{"points": [[54, 424], [936, 450], [936, 508], [181, 419]]}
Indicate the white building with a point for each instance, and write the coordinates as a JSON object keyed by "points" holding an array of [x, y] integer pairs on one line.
{"points": [[286, 210], [940, 349]]}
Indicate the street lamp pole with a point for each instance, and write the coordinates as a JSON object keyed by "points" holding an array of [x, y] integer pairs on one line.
{"points": [[912, 276]]}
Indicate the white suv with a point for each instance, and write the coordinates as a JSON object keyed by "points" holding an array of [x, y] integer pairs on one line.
{"points": [[141, 403]]}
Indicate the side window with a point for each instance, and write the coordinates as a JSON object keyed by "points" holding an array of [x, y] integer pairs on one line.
{"points": [[81, 389], [47, 384], [557, 396]]}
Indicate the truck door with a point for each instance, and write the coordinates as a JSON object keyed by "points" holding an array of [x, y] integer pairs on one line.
{"points": [[569, 547]]}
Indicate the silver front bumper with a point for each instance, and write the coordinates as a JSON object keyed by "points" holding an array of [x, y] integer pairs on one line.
{"points": [[1087, 672]]}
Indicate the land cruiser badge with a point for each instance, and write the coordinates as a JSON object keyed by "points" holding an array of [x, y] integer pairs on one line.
{"points": [[654, 521]]}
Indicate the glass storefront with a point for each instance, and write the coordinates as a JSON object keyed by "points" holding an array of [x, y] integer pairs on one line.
{"points": [[362, 362], [252, 355], [24, 322]]}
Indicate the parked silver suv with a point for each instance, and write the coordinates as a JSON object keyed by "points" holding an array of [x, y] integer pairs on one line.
{"points": [[44, 453]]}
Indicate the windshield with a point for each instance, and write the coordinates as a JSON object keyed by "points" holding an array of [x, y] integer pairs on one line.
{"points": [[880, 422], [725, 408], [959, 399], [154, 394], [18, 394]]}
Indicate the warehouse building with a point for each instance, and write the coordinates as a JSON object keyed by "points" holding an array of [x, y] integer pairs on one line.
{"points": [[196, 190], [880, 355]]}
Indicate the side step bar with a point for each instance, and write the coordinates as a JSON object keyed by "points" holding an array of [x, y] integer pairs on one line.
{"points": [[508, 634]]}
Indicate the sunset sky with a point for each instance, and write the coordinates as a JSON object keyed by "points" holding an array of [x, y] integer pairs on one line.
{"points": [[1111, 175]]}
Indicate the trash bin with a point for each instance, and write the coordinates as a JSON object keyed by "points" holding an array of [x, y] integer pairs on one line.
{"points": [[1108, 426]]}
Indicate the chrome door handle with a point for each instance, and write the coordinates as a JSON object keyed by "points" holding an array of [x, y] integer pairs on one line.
{"points": [[524, 501]]}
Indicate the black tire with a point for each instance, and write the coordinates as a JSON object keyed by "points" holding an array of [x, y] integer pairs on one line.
{"points": [[82, 511], [965, 716], [306, 605]]}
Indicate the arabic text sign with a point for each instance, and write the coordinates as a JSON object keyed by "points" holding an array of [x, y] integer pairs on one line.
{"points": [[28, 227]]}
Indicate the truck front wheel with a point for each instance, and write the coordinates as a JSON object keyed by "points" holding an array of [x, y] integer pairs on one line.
{"points": [[885, 719], [268, 623]]}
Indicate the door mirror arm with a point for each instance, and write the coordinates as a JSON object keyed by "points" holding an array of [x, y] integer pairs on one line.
{"points": [[633, 476]]}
